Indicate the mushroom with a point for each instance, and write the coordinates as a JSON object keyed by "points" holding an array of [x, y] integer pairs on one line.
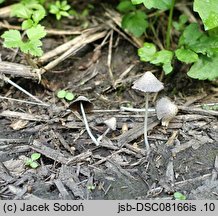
{"points": [[82, 105], [147, 83], [166, 110], [111, 124]]}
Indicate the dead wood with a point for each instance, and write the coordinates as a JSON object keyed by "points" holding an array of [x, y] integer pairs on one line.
{"points": [[17, 70], [135, 132]]}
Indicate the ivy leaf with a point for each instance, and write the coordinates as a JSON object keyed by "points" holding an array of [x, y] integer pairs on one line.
{"points": [[135, 23], [206, 45], [157, 4], [12, 39], [125, 6], [186, 55], [167, 68], [180, 25], [208, 11], [36, 33], [205, 68], [147, 52], [190, 35], [164, 58]]}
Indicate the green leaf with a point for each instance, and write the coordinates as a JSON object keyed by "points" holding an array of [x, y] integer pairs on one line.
{"points": [[26, 24], [61, 94], [157, 4], [54, 9], [147, 52], [32, 47], [64, 13], [34, 165], [167, 68], [36, 33], [21, 11], [58, 16], [205, 45], [186, 55], [35, 156], [208, 11], [69, 96], [65, 7], [179, 196], [163, 57], [190, 35], [12, 39], [28, 162], [1, 1], [38, 15], [125, 6], [135, 23], [180, 25], [205, 68]]}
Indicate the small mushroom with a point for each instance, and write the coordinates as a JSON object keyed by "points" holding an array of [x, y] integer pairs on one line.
{"points": [[147, 83], [112, 125], [166, 110], [82, 105]]}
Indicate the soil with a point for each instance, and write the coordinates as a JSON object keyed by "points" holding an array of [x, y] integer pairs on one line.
{"points": [[183, 158]]}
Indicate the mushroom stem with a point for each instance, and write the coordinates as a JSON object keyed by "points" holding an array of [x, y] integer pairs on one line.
{"points": [[104, 134], [87, 125], [146, 124]]}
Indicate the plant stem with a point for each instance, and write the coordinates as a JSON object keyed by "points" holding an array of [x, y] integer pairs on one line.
{"points": [[87, 125], [169, 26], [146, 124]]}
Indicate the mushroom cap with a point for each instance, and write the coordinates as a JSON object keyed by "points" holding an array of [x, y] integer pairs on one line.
{"points": [[148, 83], [166, 110], [111, 123], [87, 104]]}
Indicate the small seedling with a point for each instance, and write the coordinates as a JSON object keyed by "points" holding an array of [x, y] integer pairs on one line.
{"points": [[30, 41], [60, 8], [32, 44], [91, 187], [179, 196], [32, 161], [65, 94]]}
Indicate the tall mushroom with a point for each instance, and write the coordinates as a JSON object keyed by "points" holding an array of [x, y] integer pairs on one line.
{"points": [[147, 83], [82, 105]]}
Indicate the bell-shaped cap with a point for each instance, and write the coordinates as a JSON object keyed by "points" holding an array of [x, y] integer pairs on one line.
{"points": [[148, 83], [166, 110], [111, 123], [87, 104]]}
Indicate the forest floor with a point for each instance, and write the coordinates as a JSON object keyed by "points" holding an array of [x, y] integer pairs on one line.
{"points": [[183, 158]]}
